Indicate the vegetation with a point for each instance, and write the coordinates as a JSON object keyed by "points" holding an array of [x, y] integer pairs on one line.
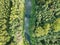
{"points": [[4, 13], [11, 22], [45, 22]]}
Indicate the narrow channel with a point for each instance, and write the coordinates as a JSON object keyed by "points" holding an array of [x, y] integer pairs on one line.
{"points": [[27, 14]]}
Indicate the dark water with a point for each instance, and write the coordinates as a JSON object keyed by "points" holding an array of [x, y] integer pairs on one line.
{"points": [[27, 14]]}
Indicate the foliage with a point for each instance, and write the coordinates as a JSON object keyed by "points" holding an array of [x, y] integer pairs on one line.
{"points": [[11, 22], [4, 12], [45, 22]]}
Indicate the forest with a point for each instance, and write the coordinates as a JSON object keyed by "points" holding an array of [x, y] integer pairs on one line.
{"points": [[29, 22]]}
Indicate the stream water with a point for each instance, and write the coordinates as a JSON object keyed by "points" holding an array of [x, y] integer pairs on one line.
{"points": [[27, 15]]}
